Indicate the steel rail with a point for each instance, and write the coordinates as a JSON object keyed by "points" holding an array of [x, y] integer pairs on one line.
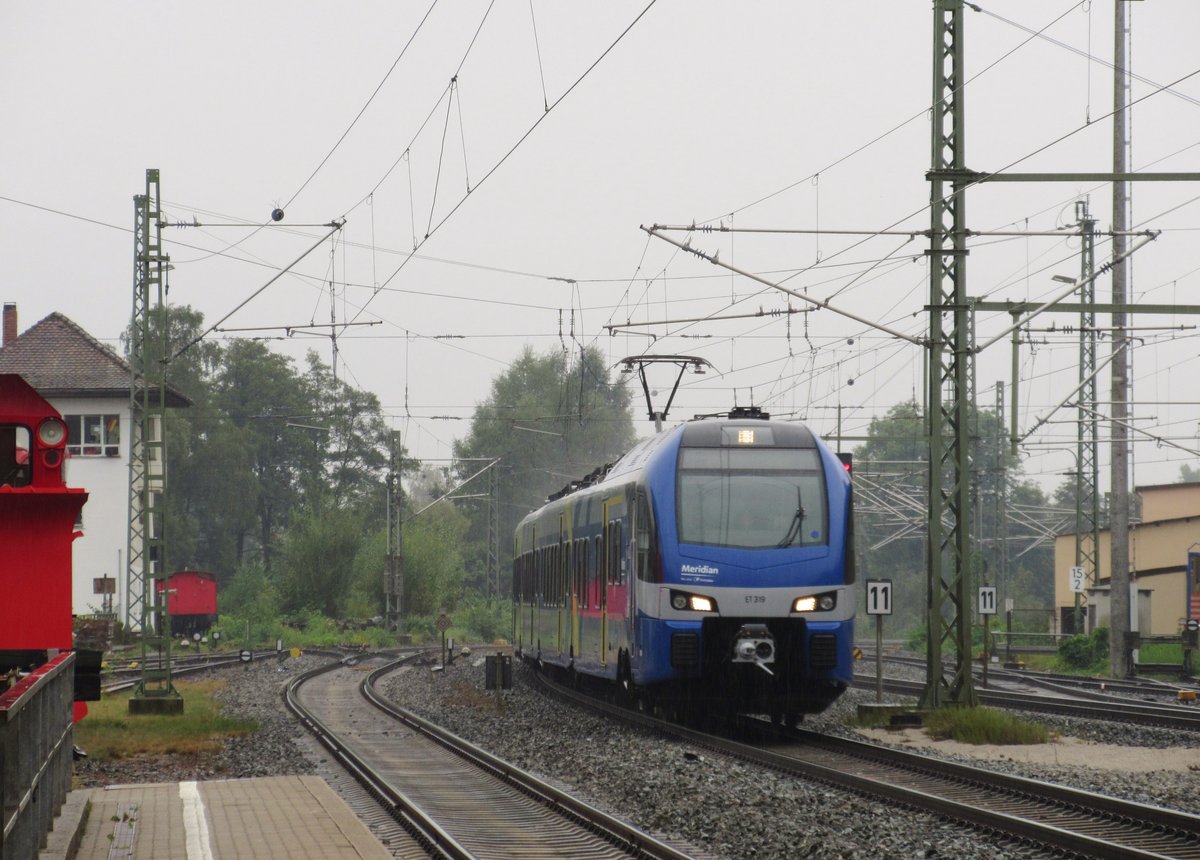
{"points": [[636, 842], [1100, 706], [882, 772], [427, 832]]}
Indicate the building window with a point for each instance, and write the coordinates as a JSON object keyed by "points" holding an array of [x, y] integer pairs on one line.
{"points": [[94, 435]]}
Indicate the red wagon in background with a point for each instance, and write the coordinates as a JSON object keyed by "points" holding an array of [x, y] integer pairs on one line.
{"points": [[191, 601]]}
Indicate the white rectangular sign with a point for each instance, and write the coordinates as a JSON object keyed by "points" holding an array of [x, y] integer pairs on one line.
{"points": [[987, 600], [879, 597], [1078, 580]]}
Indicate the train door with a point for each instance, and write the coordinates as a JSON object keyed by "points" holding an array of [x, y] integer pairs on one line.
{"points": [[640, 550], [618, 603]]}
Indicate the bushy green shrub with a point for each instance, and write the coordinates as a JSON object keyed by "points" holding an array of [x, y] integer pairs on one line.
{"points": [[484, 619], [1085, 650]]}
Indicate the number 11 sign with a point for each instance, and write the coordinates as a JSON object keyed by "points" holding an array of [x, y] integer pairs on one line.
{"points": [[879, 597], [879, 604]]}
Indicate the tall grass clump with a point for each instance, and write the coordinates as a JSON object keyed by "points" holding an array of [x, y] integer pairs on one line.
{"points": [[109, 731], [983, 726]]}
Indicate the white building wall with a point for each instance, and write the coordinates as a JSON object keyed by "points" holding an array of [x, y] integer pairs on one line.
{"points": [[101, 550]]}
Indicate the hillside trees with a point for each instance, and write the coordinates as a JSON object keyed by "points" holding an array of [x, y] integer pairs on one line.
{"points": [[549, 419], [274, 469]]}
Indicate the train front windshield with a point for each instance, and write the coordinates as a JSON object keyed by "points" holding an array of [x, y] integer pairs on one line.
{"points": [[752, 498]]}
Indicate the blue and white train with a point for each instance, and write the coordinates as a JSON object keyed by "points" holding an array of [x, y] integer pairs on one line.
{"points": [[709, 569]]}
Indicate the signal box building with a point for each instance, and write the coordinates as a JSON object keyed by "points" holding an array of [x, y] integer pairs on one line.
{"points": [[89, 385], [1158, 561]]}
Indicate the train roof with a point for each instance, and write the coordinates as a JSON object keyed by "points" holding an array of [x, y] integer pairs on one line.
{"points": [[703, 431]]}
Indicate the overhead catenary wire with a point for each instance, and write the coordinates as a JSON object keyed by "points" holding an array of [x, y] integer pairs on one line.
{"points": [[917, 116], [334, 227], [508, 154], [363, 109], [815, 302]]}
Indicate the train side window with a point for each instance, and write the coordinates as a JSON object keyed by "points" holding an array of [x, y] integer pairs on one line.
{"points": [[608, 554], [580, 568], [598, 572], [585, 575], [15, 470], [568, 573], [558, 577], [618, 544], [613, 556], [529, 577]]}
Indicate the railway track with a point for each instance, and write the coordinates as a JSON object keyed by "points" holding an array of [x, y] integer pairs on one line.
{"points": [[1097, 699], [1111, 708], [1036, 815], [127, 677], [452, 798]]}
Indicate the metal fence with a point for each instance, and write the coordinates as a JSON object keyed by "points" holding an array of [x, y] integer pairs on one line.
{"points": [[36, 742]]}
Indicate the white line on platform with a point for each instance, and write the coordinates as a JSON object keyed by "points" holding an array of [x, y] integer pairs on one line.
{"points": [[194, 825]]}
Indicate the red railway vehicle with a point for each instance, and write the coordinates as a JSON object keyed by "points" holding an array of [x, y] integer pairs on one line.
{"points": [[191, 601], [38, 513]]}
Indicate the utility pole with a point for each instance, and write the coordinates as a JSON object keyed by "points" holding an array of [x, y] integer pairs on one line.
{"points": [[146, 584], [393, 575], [949, 546], [1087, 439], [1119, 602], [493, 544], [1001, 483]]}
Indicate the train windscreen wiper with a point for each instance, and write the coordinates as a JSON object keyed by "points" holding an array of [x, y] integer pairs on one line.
{"points": [[797, 520]]}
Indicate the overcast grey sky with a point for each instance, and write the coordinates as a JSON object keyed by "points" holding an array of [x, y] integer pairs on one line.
{"points": [[764, 115]]}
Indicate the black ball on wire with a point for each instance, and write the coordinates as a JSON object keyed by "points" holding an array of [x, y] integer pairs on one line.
{"points": [[276, 214]]}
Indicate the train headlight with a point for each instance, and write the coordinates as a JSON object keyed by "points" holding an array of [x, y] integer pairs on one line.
{"points": [[814, 602], [52, 432], [682, 602]]}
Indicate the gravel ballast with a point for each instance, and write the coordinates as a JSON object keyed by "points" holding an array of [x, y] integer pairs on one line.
{"points": [[723, 808], [728, 808]]}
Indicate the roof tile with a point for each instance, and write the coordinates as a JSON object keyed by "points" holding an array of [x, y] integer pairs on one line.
{"points": [[59, 358]]}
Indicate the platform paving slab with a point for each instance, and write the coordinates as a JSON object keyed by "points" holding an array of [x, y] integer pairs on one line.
{"points": [[285, 817]]}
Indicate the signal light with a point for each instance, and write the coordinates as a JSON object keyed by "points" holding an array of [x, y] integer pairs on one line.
{"points": [[847, 461]]}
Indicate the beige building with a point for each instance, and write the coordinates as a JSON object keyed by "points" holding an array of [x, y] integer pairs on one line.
{"points": [[1158, 561]]}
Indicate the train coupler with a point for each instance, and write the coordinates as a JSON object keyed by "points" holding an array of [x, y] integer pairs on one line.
{"points": [[754, 644]]}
